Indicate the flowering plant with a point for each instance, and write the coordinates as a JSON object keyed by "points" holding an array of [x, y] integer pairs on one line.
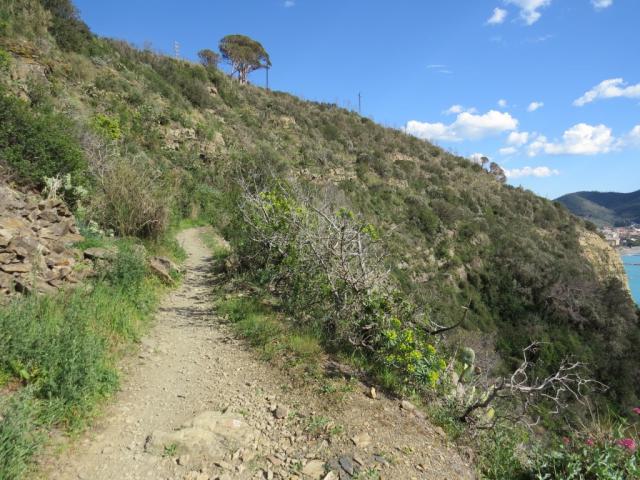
{"points": [[610, 454], [406, 351]]}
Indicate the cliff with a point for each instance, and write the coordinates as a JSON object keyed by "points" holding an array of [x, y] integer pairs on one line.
{"points": [[605, 260]]}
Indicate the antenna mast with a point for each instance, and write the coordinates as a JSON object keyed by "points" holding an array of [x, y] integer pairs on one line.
{"points": [[176, 49]]}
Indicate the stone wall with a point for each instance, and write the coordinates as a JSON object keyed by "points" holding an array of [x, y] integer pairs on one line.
{"points": [[36, 238]]}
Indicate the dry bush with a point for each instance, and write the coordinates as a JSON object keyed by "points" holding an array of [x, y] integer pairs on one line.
{"points": [[132, 199]]}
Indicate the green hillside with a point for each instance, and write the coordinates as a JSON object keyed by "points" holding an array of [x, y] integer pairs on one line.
{"points": [[179, 135], [610, 209], [155, 140]]}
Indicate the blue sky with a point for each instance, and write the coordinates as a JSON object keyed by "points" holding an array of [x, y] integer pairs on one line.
{"points": [[463, 73]]}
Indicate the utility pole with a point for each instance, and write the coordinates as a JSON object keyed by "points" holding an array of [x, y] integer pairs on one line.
{"points": [[359, 103], [176, 49]]}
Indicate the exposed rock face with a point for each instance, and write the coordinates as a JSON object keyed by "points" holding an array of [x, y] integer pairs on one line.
{"points": [[604, 259], [35, 240], [175, 137], [206, 439], [209, 150]]}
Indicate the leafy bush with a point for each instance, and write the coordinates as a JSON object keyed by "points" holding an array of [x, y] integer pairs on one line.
{"points": [[410, 354], [502, 455], [36, 145], [108, 127]]}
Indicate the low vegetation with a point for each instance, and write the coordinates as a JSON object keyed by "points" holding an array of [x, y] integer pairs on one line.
{"points": [[57, 354], [368, 243]]}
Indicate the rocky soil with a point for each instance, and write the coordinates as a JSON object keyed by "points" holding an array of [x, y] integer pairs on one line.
{"points": [[198, 404]]}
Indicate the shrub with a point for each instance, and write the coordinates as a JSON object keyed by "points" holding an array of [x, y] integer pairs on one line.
{"points": [[330, 264], [501, 455], [190, 80], [410, 355], [25, 18], [36, 145], [108, 127], [132, 199]]}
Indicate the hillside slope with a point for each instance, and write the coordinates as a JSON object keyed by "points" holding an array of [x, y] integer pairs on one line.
{"points": [[610, 209], [162, 138]]}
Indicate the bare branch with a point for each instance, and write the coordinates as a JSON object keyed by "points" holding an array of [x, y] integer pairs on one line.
{"points": [[555, 390]]}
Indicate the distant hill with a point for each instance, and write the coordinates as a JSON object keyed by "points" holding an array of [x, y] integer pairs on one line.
{"points": [[604, 208]]}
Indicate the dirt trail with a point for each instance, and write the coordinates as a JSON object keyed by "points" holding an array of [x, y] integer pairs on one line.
{"points": [[190, 367]]}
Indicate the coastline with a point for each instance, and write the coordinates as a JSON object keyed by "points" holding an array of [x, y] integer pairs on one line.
{"points": [[625, 251]]}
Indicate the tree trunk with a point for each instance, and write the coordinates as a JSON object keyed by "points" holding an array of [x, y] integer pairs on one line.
{"points": [[243, 73]]}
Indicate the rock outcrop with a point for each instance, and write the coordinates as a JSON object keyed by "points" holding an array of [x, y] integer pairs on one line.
{"points": [[206, 439], [603, 258], [36, 238]]}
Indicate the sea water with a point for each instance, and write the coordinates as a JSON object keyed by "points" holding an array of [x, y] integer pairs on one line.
{"points": [[632, 265]]}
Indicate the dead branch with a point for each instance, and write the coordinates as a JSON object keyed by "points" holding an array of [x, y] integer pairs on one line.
{"points": [[557, 389]]}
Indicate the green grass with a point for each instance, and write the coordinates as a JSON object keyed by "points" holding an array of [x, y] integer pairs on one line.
{"points": [[219, 250], [19, 440], [255, 319], [58, 354], [271, 335]]}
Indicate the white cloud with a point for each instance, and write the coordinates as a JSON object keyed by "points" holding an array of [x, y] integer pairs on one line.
{"points": [[518, 139], [431, 131], [477, 158], [540, 38], [529, 9], [581, 139], [502, 103], [539, 172], [456, 109], [533, 106], [633, 138], [612, 88], [508, 151], [289, 3], [601, 4], [498, 17], [439, 68], [467, 126]]}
